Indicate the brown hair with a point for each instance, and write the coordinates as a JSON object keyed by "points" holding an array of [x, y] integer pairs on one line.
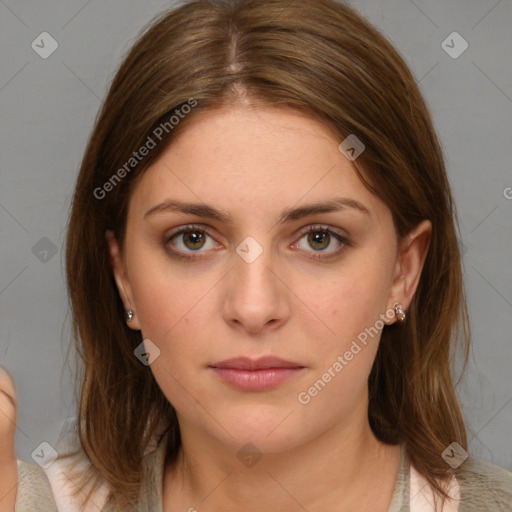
{"points": [[321, 58]]}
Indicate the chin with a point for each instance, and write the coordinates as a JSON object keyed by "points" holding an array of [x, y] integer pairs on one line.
{"points": [[270, 429]]}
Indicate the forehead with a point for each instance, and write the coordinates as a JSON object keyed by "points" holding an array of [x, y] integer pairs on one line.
{"points": [[253, 161]]}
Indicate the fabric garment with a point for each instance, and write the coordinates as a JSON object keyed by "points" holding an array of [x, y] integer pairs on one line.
{"points": [[479, 487]]}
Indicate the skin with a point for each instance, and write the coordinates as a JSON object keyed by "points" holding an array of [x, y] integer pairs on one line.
{"points": [[252, 163], [8, 466]]}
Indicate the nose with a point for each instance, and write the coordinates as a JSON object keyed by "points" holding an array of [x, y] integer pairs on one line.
{"points": [[255, 297]]}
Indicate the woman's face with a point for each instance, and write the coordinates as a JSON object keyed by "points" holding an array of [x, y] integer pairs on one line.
{"points": [[248, 280]]}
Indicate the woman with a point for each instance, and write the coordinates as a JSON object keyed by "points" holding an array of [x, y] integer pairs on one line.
{"points": [[265, 278]]}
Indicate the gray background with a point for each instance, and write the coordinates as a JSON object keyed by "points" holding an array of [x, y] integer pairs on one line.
{"points": [[47, 108]]}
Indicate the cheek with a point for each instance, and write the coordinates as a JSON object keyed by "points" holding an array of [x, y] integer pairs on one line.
{"points": [[350, 307], [175, 307], [172, 315], [166, 294], [350, 303]]}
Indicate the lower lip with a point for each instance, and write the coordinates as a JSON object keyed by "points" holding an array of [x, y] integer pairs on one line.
{"points": [[256, 380]]}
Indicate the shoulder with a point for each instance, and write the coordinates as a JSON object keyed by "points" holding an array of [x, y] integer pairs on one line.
{"points": [[34, 490], [477, 486], [484, 485]]}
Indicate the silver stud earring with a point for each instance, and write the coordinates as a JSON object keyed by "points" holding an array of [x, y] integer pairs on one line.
{"points": [[399, 312], [128, 314]]}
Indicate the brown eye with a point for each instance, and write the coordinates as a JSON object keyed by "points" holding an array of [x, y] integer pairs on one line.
{"points": [[187, 240], [193, 239], [319, 239], [321, 242]]}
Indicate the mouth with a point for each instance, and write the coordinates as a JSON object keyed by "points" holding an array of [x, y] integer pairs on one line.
{"points": [[262, 363], [256, 374]]}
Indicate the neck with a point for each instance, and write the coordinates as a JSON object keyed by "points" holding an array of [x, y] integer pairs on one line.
{"points": [[340, 469]]}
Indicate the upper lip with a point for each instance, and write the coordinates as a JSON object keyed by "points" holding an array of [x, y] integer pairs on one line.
{"points": [[246, 363]]}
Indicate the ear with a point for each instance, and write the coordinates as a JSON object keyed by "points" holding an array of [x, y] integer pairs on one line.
{"points": [[411, 255], [121, 277]]}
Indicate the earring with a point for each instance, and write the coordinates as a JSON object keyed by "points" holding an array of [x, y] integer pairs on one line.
{"points": [[128, 314], [399, 312]]}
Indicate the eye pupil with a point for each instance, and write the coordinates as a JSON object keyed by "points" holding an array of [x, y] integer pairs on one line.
{"points": [[195, 237], [319, 237]]}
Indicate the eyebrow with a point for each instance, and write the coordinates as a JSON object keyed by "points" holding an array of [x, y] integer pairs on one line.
{"points": [[205, 210]]}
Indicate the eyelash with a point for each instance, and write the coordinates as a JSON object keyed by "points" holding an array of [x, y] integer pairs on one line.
{"points": [[317, 255]]}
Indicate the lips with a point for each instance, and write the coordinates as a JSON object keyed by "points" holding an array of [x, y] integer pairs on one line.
{"points": [[246, 363], [263, 374]]}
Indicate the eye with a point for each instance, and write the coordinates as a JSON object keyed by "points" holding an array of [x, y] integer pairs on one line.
{"points": [[189, 239], [320, 239]]}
